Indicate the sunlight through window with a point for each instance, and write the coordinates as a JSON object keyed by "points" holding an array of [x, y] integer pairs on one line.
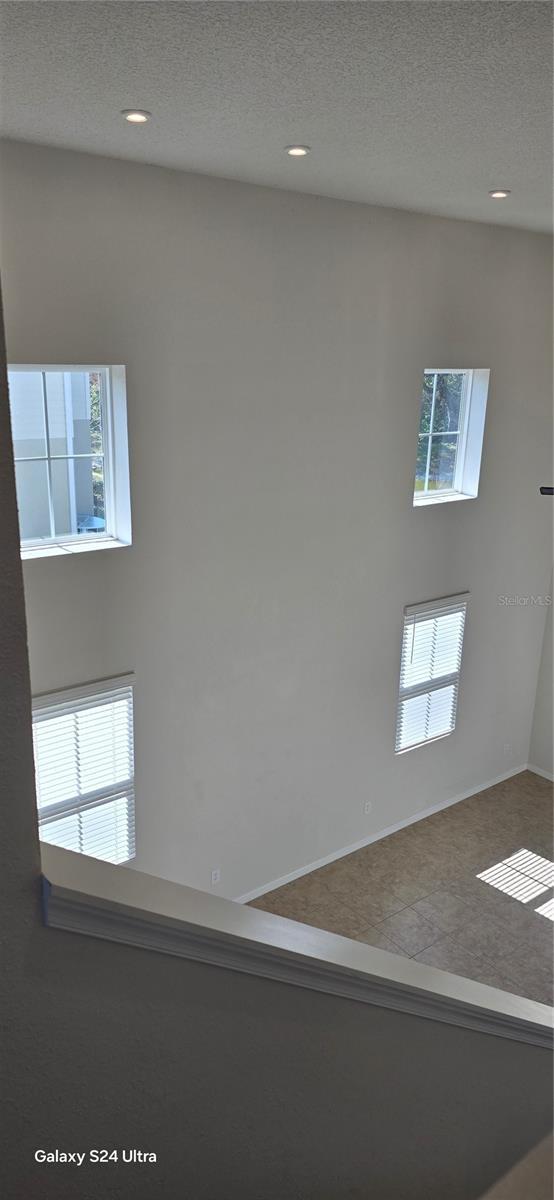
{"points": [[547, 910], [524, 876], [538, 868]]}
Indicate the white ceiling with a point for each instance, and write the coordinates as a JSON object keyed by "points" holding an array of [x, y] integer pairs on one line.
{"points": [[417, 105]]}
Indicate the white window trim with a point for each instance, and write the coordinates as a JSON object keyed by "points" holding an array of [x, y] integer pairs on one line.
{"points": [[116, 467], [44, 707], [470, 438], [454, 603], [82, 691]]}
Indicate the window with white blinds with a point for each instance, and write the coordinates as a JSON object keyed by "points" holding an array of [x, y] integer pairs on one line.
{"points": [[430, 671], [84, 765]]}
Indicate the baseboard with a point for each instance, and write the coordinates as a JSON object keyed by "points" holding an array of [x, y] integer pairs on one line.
{"points": [[539, 771], [383, 833]]}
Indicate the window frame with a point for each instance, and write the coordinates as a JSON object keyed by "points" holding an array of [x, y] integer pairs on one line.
{"points": [[470, 434], [456, 603], [115, 455], [47, 705]]}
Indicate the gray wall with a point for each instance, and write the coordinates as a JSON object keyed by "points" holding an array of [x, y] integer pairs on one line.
{"points": [[541, 748], [275, 345], [243, 1088]]}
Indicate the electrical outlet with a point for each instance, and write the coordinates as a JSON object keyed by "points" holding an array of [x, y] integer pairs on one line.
{"points": [[507, 748], [216, 876], [368, 807]]}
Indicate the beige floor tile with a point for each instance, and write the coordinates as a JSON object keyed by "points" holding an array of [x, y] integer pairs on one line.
{"points": [[352, 867], [348, 878], [487, 937], [448, 955], [328, 914], [475, 891], [526, 965], [374, 903], [406, 877], [534, 984], [410, 931], [497, 978], [447, 911], [534, 990], [411, 888], [307, 887], [524, 924], [375, 906], [520, 921], [374, 937], [414, 890]]}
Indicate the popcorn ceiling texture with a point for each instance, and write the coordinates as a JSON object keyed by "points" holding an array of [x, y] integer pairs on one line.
{"points": [[422, 106]]}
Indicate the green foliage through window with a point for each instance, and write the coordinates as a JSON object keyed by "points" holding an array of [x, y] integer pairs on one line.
{"points": [[439, 430]]}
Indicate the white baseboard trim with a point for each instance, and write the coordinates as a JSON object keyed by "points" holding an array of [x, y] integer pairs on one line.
{"points": [[382, 833], [539, 771]]}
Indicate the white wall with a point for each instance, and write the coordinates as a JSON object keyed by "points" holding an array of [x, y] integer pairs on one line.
{"points": [[541, 749], [137, 1049], [274, 346]]}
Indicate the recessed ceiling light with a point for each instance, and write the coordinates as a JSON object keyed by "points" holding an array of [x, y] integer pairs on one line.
{"points": [[297, 151], [499, 193], [136, 116]]}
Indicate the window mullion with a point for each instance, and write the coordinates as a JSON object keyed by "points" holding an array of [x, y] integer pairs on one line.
{"points": [[48, 461], [431, 420], [69, 441], [89, 800], [429, 685]]}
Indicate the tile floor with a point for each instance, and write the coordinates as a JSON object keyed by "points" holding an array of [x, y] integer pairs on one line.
{"points": [[416, 892]]}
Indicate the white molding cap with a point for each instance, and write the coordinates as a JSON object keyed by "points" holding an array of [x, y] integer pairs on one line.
{"points": [[119, 904], [52, 549]]}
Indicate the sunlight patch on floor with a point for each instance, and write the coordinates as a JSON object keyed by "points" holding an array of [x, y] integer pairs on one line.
{"points": [[547, 910], [524, 876]]}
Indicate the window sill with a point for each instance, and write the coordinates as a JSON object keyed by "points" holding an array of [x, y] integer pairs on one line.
{"points": [[97, 899], [446, 498], [53, 549]]}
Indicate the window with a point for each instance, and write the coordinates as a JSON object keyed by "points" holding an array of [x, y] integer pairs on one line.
{"points": [[84, 764], [69, 429], [450, 439], [430, 671]]}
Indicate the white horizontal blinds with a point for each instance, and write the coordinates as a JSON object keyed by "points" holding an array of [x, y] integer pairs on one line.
{"points": [[107, 830], [429, 671], [427, 716], [84, 762]]}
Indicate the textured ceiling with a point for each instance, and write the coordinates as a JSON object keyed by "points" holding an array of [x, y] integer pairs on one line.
{"points": [[417, 105]]}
